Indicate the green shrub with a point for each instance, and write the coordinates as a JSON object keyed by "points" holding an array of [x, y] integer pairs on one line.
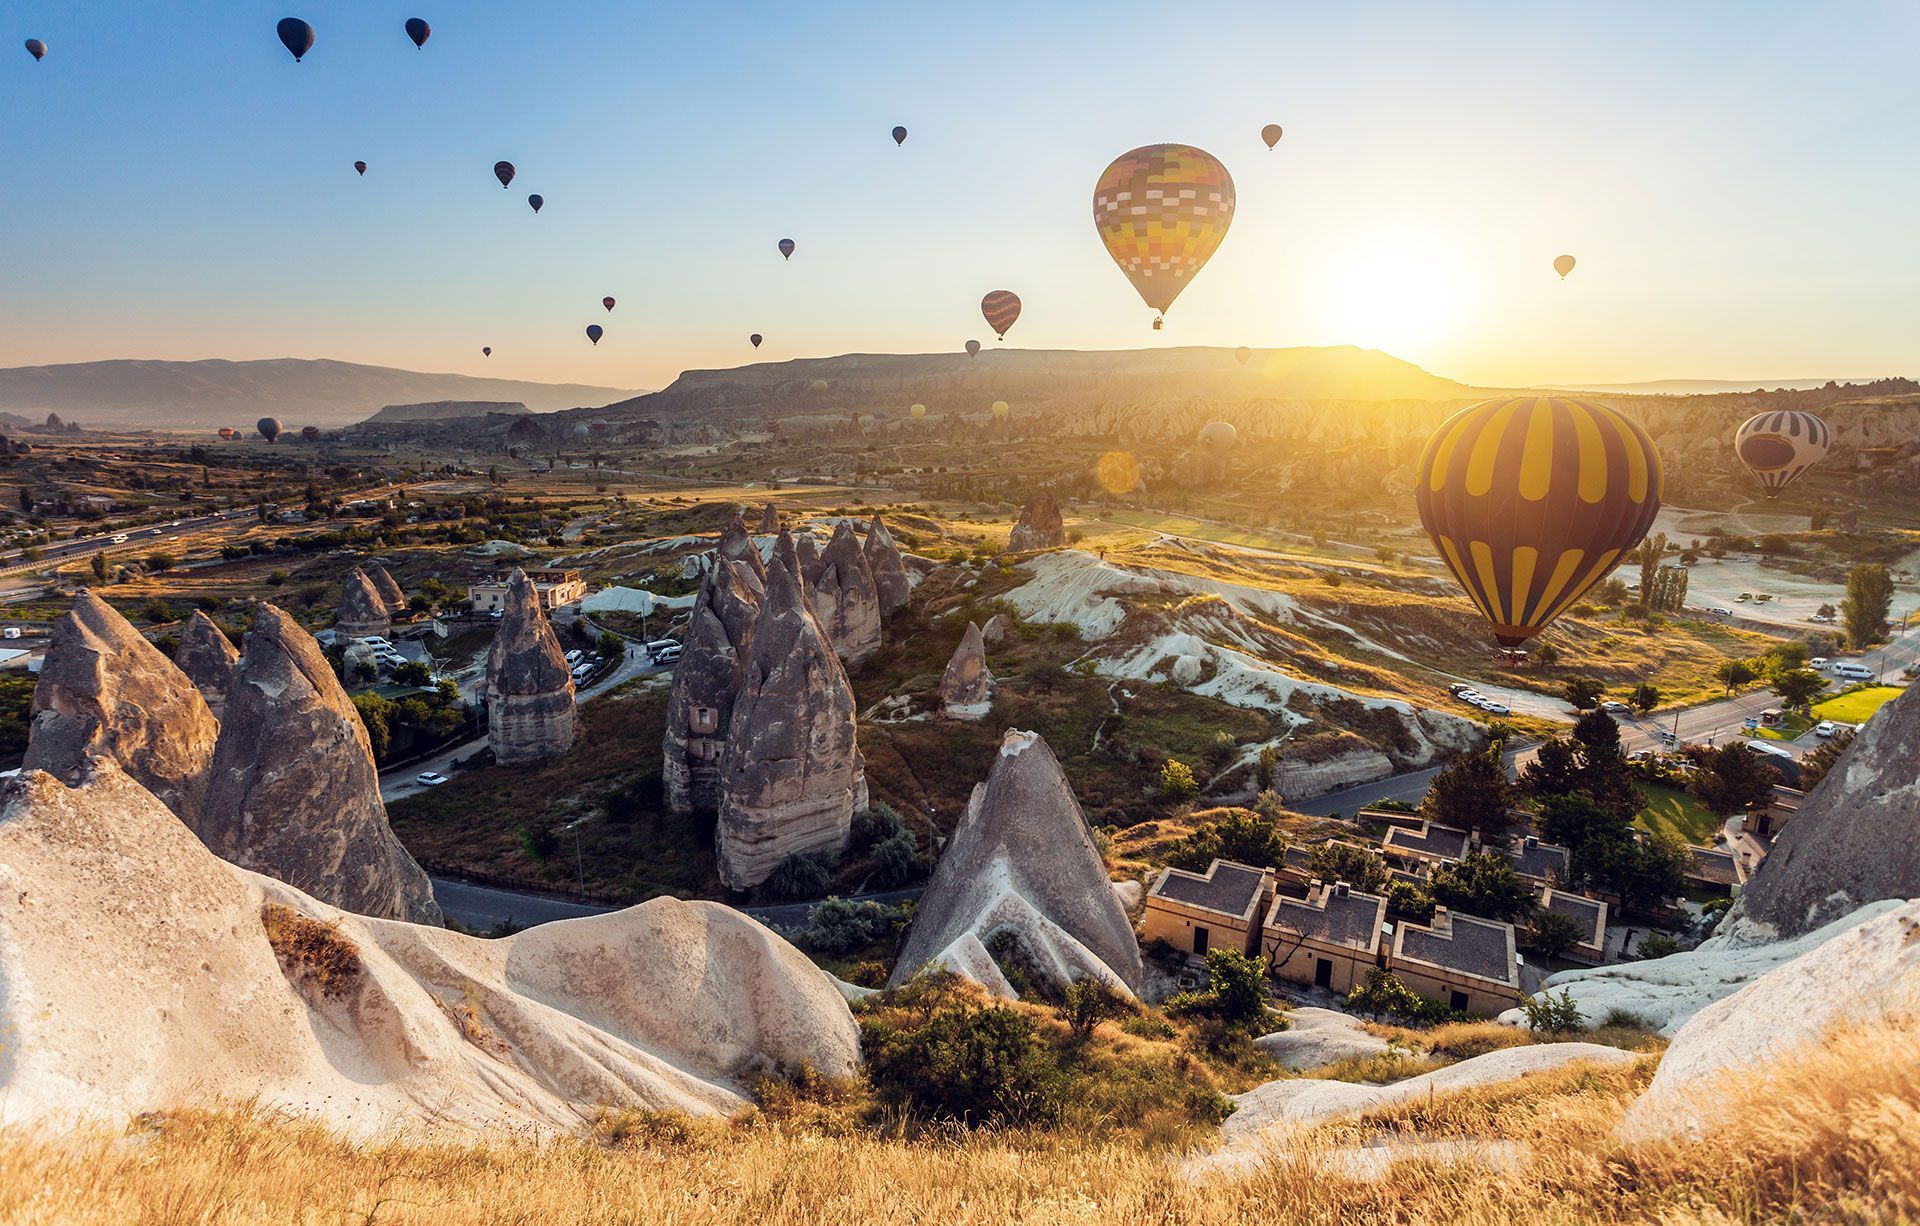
{"points": [[876, 824], [1176, 781], [1547, 1014], [1235, 995], [842, 926], [975, 1064], [1088, 1002], [1381, 994], [797, 879], [897, 862]]}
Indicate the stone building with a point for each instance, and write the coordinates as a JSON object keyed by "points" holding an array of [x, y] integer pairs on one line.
{"points": [[530, 703], [1330, 938], [1218, 909]]}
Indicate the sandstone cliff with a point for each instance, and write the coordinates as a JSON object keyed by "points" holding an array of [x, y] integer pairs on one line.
{"points": [[208, 657], [391, 593], [966, 690]]}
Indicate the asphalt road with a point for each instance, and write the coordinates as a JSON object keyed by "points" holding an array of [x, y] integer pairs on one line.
{"points": [[87, 546], [482, 907]]}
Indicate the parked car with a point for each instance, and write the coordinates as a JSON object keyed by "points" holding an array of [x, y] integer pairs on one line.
{"points": [[574, 656], [659, 645], [1618, 708], [1817, 662], [667, 655], [429, 779], [1496, 708], [1742, 598], [1852, 671], [1825, 728], [12, 632], [581, 672], [1721, 612]]}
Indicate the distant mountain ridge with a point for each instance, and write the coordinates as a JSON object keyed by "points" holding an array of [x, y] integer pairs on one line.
{"points": [[1700, 387], [300, 392], [445, 410]]}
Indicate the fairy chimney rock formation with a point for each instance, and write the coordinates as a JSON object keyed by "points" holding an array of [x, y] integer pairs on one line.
{"points": [[1021, 880], [966, 691], [705, 683], [845, 598], [295, 793], [104, 691], [995, 631], [207, 656], [889, 571], [806, 550], [363, 611], [736, 546], [769, 520], [1040, 526], [792, 777], [530, 705], [389, 589]]}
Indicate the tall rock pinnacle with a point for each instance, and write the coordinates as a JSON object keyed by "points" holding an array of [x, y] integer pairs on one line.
{"points": [[530, 702]]}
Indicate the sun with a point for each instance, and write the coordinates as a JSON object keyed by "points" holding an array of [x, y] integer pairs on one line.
{"points": [[1403, 299]]}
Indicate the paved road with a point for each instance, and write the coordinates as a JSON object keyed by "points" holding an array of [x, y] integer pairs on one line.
{"points": [[66, 551], [482, 907]]}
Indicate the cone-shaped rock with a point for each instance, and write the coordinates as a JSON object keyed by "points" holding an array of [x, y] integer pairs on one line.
{"points": [[736, 546], [769, 520], [363, 611], [845, 599], [807, 549], [1040, 526], [705, 683], [966, 691], [295, 793], [792, 776], [207, 656], [530, 706], [889, 571], [391, 594], [1022, 872], [105, 691], [995, 631]]}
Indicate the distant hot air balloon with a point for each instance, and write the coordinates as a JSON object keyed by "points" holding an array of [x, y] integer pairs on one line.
{"points": [[918, 411], [601, 425], [536, 200], [1780, 446], [580, 431], [360, 167], [607, 303], [1162, 210], [1531, 500], [1000, 410], [38, 49], [1002, 309], [819, 387], [1270, 134], [1563, 264], [1220, 434], [755, 339], [595, 332], [296, 36], [503, 171], [486, 351], [419, 31], [1241, 355], [973, 349], [269, 428], [786, 248], [310, 433], [227, 432], [899, 136]]}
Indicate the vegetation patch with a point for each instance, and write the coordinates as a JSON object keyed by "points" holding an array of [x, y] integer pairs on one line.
{"points": [[312, 955]]}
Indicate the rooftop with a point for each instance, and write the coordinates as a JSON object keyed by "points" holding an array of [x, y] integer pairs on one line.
{"points": [[1427, 839], [1463, 944], [1713, 866], [1226, 887], [1333, 915], [1540, 861], [1589, 913]]}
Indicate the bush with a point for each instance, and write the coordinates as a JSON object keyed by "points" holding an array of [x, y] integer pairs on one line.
{"points": [[1381, 994], [876, 824], [977, 1065], [840, 926], [1176, 781], [311, 952], [1656, 945], [1088, 1002], [798, 878], [1547, 1014], [538, 841], [1236, 992], [897, 862], [1240, 836]]}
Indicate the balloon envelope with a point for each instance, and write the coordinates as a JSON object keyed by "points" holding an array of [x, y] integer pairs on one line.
{"points": [[607, 303], [503, 171], [973, 349], [1241, 355], [536, 200], [1780, 446], [269, 428], [899, 136], [36, 49], [595, 332], [786, 248], [819, 387], [419, 31], [1270, 134], [1001, 408], [296, 36], [1219, 434], [756, 338], [1531, 500], [309, 433], [227, 432], [486, 351], [918, 411], [1162, 210], [361, 167], [1563, 264], [1002, 309]]}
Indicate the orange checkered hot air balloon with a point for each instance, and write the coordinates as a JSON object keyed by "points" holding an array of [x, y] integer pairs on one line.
{"points": [[1001, 308], [1530, 501], [1162, 211]]}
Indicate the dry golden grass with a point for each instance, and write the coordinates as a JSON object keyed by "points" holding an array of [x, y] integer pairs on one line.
{"points": [[311, 952], [1831, 1136]]}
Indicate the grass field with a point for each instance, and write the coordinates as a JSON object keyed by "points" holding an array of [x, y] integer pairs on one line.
{"points": [[1790, 728], [1856, 706], [1671, 810]]}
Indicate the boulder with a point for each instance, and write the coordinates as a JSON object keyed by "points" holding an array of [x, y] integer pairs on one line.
{"points": [[530, 702], [207, 656], [1040, 526], [1868, 974], [705, 683], [792, 776], [1022, 878], [141, 976], [845, 598], [995, 631], [391, 593], [294, 791], [966, 690], [888, 567], [104, 691], [362, 611], [1319, 1037], [1852, 841], [769, 520]]}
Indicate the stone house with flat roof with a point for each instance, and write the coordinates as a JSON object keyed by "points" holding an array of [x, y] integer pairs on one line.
{"points": [[1539, 864], [1427, 846], [1217, 909], [1460, 961], [1590, 914], [1330, 938]]}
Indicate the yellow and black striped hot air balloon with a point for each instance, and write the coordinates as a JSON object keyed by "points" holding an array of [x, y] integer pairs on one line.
{"points": [[1533, 500]]}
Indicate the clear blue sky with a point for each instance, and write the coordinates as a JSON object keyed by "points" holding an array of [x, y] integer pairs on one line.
{"points": [[1738, 180]]}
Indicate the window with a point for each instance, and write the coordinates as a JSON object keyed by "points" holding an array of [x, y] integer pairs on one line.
{"points": [[703, 721], [1199, 939]]}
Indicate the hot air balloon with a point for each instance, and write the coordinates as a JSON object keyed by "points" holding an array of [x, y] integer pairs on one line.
{"points": [[419, 31], [1162, 210], [786, 249], [296, 36], [536, 200], [1000, 410], [918, 411], [601, 425], [361, 167], [1563, 264], [595, 332], [1241, 355], [756, 338], [1530, 501], [310, 433], [580, 431], [899, 136], [819, 387], [1002, 309], [607, 303], [227, 432], [1778, 447], [973, 349], [38, 49], [1220, 434], [486, 351], [1270, 134], [269, 428], [503, 171]]}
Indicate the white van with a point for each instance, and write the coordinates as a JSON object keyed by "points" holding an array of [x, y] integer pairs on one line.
{"points": [[1852, 671]]}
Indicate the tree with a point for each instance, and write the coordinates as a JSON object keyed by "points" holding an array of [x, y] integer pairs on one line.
{"points": [[1864, 609], [1798, 687], [159, 563], [1264, 767], [413, 672], [1650, 554], [1582, 693], [1646, 872], [99, 567], [1546, 655], [1814, 767], [26, 499], [1589, 763], [1548, 1014], [1550, 934], [1088, 1002], [1176, 781], [1483, 884], [1734, 674], [1359, 867], [1472, 792], [1732, 779], [1644, 697], [1381, 994], [1241, 836], [1236, 992], [1410, 899], [610, 645]]}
